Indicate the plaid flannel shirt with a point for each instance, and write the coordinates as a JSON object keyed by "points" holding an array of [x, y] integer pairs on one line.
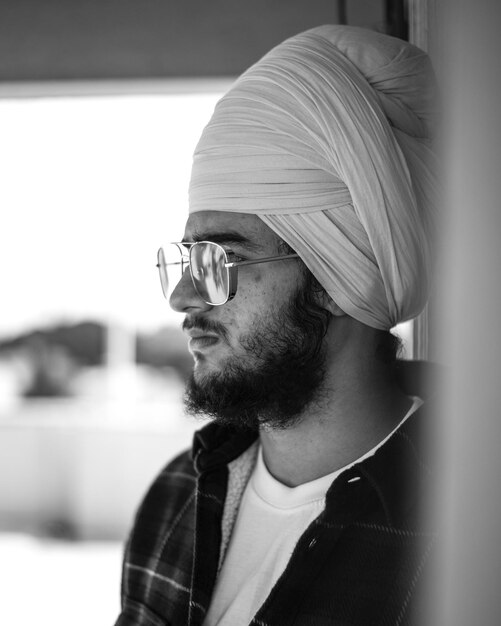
{"points": [[359, 563]]}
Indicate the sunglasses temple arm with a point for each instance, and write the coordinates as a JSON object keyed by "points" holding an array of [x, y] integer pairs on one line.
{"points": [[264, 260]]}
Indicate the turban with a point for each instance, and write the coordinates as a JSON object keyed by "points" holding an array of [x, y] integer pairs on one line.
{"points": [[328, 140]]}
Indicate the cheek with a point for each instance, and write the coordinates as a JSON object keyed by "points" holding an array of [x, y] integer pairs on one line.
{"points": [[260, 293], [268, 281], [259, 298], [268, 288], [276, 288]]}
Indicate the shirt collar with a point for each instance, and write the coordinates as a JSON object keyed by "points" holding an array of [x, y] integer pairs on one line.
{"points": [[216, 445], [397, 476]]}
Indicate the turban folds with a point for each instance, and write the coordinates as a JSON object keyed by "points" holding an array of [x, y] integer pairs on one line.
{"points": [[328, 140]]}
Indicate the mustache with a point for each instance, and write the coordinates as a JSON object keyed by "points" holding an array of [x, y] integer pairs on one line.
{"points": [[204, 325]]}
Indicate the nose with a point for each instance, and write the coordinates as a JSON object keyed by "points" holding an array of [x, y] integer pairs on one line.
{"points": [[185, 298]]}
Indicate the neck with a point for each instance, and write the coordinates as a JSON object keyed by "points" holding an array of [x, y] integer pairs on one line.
{"points": [[358, 406]]}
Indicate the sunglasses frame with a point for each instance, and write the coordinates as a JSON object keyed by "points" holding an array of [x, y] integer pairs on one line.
{"points": [[230, 265]]}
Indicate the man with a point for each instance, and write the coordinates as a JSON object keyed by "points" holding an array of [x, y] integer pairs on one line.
{"points": [[309, 237]]}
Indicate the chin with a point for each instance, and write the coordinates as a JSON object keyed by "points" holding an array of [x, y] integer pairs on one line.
{"points": [[214, 360], [204, 367]]}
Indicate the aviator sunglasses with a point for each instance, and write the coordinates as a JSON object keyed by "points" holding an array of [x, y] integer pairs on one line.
{"points": [[213, 269]]}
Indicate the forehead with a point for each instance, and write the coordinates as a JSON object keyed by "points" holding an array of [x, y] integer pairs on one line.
{"points": [[207, 225]]}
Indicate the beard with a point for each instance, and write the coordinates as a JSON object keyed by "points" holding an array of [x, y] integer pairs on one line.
{"points": [[283, 375]]}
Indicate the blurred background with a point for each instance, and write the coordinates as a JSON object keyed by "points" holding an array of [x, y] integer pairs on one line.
{"points": [[92, 361], [101, 105]]}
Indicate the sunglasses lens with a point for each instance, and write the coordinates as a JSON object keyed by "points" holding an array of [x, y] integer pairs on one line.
{"points": [[210, 276], [170, 268]]}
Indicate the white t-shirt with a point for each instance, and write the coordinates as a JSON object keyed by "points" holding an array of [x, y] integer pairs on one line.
{"points": [[271, 519]]}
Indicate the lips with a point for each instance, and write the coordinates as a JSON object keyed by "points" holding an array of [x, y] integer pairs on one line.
{"points": [[204, 341], [200, 340]]}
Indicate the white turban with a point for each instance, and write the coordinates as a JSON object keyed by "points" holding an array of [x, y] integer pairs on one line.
{"points": [[328, 140]]}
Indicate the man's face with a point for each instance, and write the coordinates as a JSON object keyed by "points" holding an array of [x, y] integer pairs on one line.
{"points": [[253, 356]]}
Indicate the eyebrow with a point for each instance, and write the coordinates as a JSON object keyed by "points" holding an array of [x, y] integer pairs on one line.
{"points": [[228, 238]]}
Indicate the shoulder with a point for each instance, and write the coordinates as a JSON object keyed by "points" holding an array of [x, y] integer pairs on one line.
{"points": [[178, 469], [399, 476], [167, 509], [160, 547], [170, 490]]}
